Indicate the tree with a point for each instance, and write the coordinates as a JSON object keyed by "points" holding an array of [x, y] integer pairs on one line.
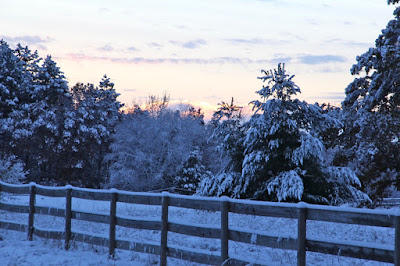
{"points": [[11, 170], [372, 113], [283, 155], [192, 172], [228, 132], [94, 119], [150, 147]]}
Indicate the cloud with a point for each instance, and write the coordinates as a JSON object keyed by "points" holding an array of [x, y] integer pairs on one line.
{"points": [[320, 59], [106, 48], [103, 10], [278, 60], [246, 41], [27, 39], [181, 27], [170, 60], [257, 41], [314, 22], [133, 49], [334, 96], [154, 44], [190, 44], [349, 43]]}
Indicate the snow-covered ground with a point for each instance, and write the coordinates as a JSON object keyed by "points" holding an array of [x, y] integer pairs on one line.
{"points": [[16, 250]]}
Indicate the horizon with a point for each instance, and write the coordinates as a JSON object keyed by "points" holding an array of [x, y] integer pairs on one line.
{"points": [[200, 53]]}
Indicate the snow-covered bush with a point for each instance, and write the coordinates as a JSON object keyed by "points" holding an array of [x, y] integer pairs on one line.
{"points": [[149, 150], [11, 170]]}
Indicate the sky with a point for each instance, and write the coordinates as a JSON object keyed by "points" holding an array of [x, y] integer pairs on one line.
{"points": [[199, 52]]}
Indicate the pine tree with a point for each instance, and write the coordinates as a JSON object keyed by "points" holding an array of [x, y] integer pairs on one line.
{"points": [[372, 113], [283, 154], [228, 133], [17, 73], [192, 172], [95, 117]]}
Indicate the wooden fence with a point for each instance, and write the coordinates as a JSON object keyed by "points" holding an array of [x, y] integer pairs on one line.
{"points": [[301, 211]]}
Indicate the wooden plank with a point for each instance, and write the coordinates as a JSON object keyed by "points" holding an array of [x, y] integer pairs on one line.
{"points": [[90, 217], [145, 199], [13, 226], [195, 230], [348, 217], [193, 255], [90, 239], [113, 212], [92, 195], [50, 191], [68, 216], [397, 241], [13, 207], [139, 223], [147, 248], [301, 234], [263, 210], [360, 251], [50, 211], [51, 234], [164, 229], [16, 189], [249, 237], [32, 197], [224, 229], [195, 203]]}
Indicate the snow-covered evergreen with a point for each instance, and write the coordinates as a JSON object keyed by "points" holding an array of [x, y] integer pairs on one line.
{"points": [[11, 170], [55, 131], [283, 153], [372, 113], [191, 173], [228, 132]]}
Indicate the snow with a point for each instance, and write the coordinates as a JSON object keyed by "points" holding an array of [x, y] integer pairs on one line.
{"points": [[16, 249]]}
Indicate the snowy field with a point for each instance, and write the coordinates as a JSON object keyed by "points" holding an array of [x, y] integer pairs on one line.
{"points": [[16, 250]]}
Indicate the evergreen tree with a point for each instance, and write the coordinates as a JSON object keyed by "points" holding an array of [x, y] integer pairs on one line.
{"points": [[372, 113], [96, 114], [11, 170], [192, 172], [284, 157], [228, 133], [17, 73]]}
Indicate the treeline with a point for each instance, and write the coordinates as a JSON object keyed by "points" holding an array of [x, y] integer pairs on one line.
{"points": [[59, 134], [289, 150]]}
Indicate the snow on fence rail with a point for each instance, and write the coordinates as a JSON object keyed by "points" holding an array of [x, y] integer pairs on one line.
{"points": [[301, 211]]}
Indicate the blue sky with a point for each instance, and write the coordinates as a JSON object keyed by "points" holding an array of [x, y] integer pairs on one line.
{"points": [[199, 51]]}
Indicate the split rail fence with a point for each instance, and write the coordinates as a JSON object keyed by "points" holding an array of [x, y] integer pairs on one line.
{"points": [[301, 211]]}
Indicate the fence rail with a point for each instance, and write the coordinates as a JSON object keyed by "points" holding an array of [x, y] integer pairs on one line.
{"points": [[301, 211]]}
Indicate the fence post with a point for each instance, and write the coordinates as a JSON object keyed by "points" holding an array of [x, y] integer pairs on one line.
{"points": [[164, 228], [301, 234], [68, 214], [397, 239], [224, 229], [113, 212], [32, 196]]}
